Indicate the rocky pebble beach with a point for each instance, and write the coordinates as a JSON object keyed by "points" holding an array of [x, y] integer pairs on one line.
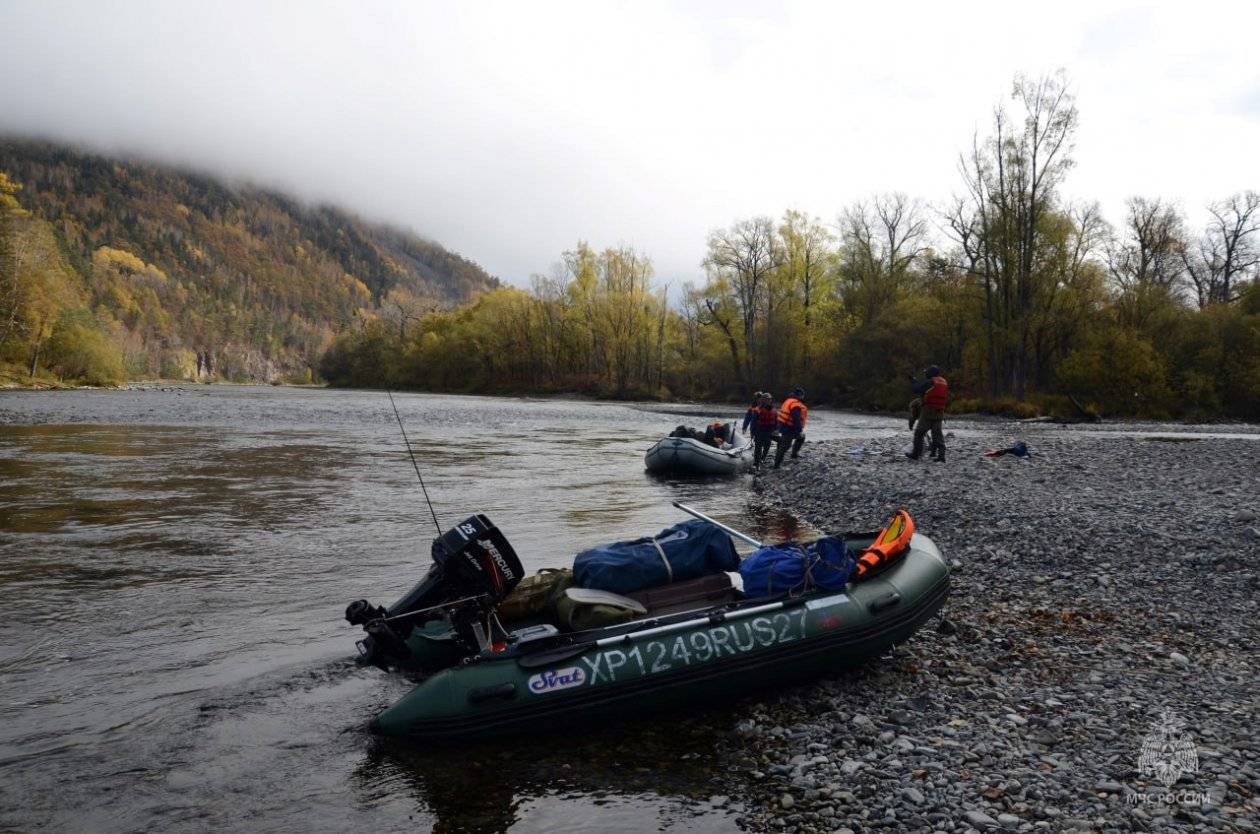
{"points": [[1101, 588]]}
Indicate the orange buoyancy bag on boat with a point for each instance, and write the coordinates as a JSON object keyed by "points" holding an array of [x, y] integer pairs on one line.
{"points": [[891, 543]]}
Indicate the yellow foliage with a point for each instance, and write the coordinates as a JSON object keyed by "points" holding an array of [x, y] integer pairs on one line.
{"points": [[107, 257], [124, 263], [8, 202]]}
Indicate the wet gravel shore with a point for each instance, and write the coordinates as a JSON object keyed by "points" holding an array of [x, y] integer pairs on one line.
{"points": [[1104, 584]]}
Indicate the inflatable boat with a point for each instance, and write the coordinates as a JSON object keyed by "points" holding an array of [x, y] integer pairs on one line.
{"points": [[685, 647], [687, 456]]}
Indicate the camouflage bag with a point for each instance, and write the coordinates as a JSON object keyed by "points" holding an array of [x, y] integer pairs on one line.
{"points": [[535, 596]]}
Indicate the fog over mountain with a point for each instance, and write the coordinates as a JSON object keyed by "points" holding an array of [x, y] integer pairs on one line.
{"points": [[507, 132]]}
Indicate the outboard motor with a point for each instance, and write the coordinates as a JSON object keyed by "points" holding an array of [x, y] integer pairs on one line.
{"points": [[473, 569]]}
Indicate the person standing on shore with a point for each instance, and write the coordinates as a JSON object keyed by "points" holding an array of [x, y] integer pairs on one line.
{"points": [[793, 415], [916, 409], [750, 414], [934, 390], [761, 420]]}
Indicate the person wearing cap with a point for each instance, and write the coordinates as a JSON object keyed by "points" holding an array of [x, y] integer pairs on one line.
{"points": [[793, 414], [718, 434], [761, 420], [750, 415], [934, 390]]}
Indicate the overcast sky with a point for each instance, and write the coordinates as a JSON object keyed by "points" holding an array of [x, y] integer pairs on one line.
{"points": [[508, 131]]}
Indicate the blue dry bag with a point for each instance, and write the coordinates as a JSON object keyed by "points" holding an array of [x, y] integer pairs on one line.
{"points": [[797, 568], [684, 551]]}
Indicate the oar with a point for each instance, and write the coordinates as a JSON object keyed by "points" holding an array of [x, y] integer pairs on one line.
{"points": [[720, 525]]}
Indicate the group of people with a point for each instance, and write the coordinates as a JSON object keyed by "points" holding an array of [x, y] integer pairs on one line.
{"points": [[786, 425], [765, 424]]}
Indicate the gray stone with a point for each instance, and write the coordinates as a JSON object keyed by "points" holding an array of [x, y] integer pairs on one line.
{"points": [[786, 801], [914, 795], [980, 819], [1179, 659]]}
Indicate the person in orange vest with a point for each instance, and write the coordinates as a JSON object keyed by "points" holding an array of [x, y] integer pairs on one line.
{"points": [[760, 421], [793, 414], [934, 390]]}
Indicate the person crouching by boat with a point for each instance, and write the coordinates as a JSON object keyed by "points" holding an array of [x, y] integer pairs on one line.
{"points": [[793, 415], [718, 434], [761, 420], [935, 392]]}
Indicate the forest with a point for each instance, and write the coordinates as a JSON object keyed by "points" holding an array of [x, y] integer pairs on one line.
{"points": [[1031, 303], [113, 270]]}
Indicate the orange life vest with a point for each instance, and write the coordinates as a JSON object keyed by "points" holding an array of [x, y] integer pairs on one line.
{"points": [[891, 542], [765, 417], [785, 412], [937, 397]]}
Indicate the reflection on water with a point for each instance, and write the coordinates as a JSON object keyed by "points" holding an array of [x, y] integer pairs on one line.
{"points": [[643, 776], [174, 567]]}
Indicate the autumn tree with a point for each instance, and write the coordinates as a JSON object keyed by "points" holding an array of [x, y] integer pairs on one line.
{"points": [[808, 271], [10, 213], [1011, 180], [1145, 260], [1225, 257], [740, 262], [881, 239]]}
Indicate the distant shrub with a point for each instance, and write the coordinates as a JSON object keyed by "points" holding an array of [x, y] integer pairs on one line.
{"points": [[1001, 406], [79, 350], [1121, 372]]}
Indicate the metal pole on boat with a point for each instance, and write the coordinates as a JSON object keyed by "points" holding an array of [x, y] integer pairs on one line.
{"points": [[703, 517]]}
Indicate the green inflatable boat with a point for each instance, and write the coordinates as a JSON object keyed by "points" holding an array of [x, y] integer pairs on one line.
{"points": [[665, 659]]}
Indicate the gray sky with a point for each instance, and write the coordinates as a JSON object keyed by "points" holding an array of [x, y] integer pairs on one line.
{"points": [[508, 131]]}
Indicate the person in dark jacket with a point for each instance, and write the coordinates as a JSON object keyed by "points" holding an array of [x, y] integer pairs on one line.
{"points": [[916, 409], [761, 421], [793, 414], [934, 390], [718, 434]]}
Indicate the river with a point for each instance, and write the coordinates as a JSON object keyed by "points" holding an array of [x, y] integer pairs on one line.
{"points": [[175, 562]]}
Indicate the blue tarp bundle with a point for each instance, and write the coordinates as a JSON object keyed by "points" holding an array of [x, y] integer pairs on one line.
{"points": [[691, 549], [797, 568]]}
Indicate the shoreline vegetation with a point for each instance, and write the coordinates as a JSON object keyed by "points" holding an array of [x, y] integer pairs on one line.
{"points": [[1030, 303], [1033, 305]]}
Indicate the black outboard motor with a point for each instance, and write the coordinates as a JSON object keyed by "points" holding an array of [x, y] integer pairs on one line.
{"points": [[473, 569]]}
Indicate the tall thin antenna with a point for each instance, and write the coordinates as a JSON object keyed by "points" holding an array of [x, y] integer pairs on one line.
{"points": [[413, 461]]}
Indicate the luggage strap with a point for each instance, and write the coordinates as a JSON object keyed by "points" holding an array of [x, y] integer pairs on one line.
{"points": [[669, 569]]}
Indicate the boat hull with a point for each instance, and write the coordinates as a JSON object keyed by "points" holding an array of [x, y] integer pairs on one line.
{"points": [[715, 656], [687, 456]]}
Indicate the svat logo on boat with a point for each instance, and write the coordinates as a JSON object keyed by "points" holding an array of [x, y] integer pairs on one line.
{"points": [[556, 679]]}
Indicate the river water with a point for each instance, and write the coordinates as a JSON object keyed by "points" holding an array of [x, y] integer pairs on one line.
{"points": [[174, 564]]}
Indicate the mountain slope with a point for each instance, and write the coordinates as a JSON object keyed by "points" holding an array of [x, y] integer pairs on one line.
{"points": [[190, 277]]}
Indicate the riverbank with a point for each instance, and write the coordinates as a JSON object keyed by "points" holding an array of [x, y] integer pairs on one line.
{"points": [[1107, 581]]}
